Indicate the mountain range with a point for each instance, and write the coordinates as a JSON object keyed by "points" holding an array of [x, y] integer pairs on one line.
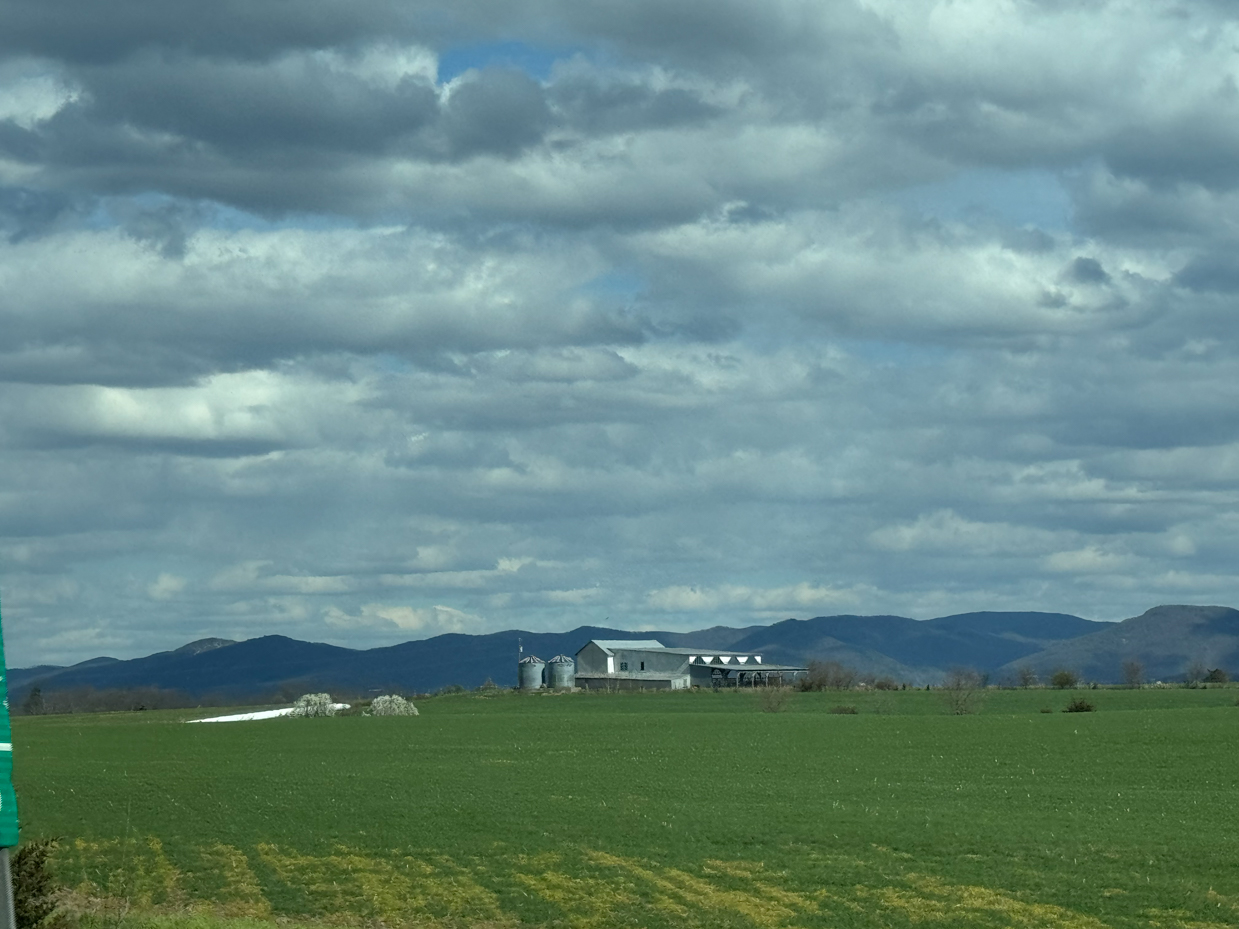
{"points": [[1167, 641]]}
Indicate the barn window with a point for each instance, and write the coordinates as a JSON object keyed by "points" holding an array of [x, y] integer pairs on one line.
{"points": [[623, 666], [643, 666]]}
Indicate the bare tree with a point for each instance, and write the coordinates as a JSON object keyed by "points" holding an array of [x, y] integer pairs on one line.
{"points": [[1196, 672], [1026, 676], [114, 699], [963, 689], [774, 699], [1133, 673], [829, 675], [33, 704]]}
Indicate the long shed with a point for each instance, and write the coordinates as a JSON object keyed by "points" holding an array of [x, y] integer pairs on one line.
{"points": [[647, 664]]}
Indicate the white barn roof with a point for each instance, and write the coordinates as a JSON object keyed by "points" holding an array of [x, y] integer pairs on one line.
{"points": [[609, 645]]}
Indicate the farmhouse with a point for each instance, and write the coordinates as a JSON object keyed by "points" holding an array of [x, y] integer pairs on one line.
{"points": [[647, 664]]}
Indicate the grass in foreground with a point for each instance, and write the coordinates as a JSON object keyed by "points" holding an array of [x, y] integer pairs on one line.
{"points": [[652, 810]]}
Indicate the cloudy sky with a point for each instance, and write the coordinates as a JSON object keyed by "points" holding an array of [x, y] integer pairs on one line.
{"points": [[365, 321]]}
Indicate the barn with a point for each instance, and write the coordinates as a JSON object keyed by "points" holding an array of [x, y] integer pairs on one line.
{"points": [[647, 664]]}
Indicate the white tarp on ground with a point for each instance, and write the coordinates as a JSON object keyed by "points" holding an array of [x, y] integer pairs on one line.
{"points": [[263, 714]]}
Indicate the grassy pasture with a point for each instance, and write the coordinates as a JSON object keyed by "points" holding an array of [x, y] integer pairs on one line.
{"points": [[688, 809]]}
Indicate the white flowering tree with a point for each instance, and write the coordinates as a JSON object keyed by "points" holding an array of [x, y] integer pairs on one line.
{"points": [[392, 705], [314, 705]]}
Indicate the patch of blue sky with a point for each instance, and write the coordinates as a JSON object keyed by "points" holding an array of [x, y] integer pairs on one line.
{"points": [[1019, 198], [624, 284], [389, 363], [536, 61]]}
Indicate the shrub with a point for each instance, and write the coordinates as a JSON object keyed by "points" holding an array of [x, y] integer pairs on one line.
{"points": [[1079, 705], [774, 699], [829, 675], [885, 683], [33, 704], [1217, 676], [963, 690], [843, 710], [1062, 679], [314, 705], [111, 700], [392, 705], [1046, 709], [34, 889], [1195, 673]]}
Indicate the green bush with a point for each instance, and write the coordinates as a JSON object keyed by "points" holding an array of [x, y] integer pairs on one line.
{"points": [[34, 888], [843, 710], [1079, 705], [1062, 679]]}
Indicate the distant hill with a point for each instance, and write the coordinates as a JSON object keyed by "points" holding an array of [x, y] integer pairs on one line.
{"points": [[1166, 640], [18, 677], [202, 645], [895, 646], [913, 650]]}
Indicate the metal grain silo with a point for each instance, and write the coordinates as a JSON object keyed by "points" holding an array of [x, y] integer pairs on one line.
{"points": [[561, 673], [529, 672]]}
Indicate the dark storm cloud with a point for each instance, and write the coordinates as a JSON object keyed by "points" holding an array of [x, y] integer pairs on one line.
{"points": [[495, 111], [25, 211], [83, 32], [1087, 271], [244, 108], [283, 134], [588, 103], [1216, 271]]}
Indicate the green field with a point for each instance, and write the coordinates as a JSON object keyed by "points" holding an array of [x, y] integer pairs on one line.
{"points": [[686, 809]]}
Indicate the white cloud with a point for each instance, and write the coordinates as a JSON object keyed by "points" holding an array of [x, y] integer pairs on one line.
{"points": [[432, 620], [1090, 560], [573, 597], [255, 576], [945, 532], [796, 597], [165, 587], [32, 91]]}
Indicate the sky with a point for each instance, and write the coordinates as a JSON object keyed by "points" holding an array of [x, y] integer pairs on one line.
{"points": [[366, 321]]}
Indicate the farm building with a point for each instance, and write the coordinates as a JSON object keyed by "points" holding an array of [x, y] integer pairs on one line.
{"points": [[647, 664]]}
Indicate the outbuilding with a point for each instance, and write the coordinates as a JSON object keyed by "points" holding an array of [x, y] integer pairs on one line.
{"points": [[647, 664]]}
